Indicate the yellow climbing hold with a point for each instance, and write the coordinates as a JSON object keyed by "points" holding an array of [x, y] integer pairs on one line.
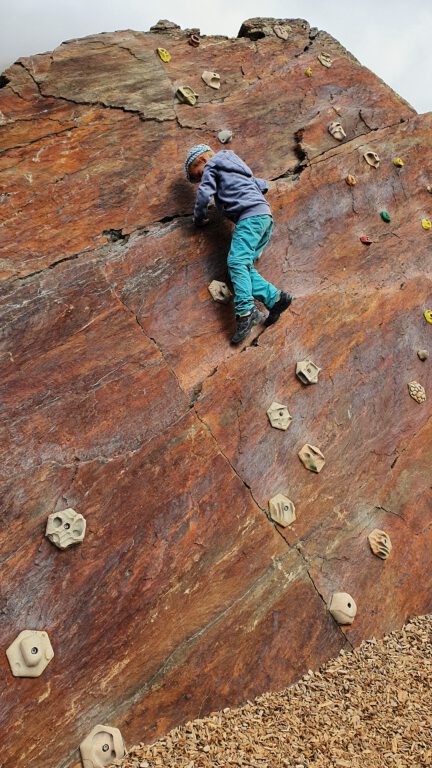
{"points": [[426, 224], [428, 315], [308, 72], [163, 54], [398, 162]]}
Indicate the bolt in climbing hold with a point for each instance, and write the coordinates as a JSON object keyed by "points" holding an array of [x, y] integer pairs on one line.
{"points": [[428, 315], [426, 224], [417, 392], [342, 607], [351, 180], [279, 416], [220, 291], [211, 78], [186, 95], [65, 528], [365, 239], [30, 653], [308, 72], [312, 458], [282, 510], [398, 162], [307, 371], [380, 543], [372, 159], [324, 59], [225, 136], [102, 747], [163, 54], [194, 41], [385, 216], [336, 130], [422, 354]]}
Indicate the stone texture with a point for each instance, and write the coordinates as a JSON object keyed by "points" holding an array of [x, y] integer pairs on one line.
{"points": [[121, 395]]}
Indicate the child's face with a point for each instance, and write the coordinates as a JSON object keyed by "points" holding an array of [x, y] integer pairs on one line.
{"points": [[196, 168]]}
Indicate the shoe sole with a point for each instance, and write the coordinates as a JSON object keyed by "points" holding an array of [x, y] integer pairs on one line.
{"points": [[258, 319]]}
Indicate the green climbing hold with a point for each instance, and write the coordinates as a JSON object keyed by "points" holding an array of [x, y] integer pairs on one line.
{"points": [[385, 216]]}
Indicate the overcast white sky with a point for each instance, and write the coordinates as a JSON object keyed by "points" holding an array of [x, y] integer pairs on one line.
{"points": [[391, 37]]}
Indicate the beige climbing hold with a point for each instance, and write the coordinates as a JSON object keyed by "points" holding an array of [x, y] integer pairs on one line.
{"points": [[220, 291], [163, 54], [423, 354], [372, 159], [417, 392], [279, 416], [307, 371], [380, 543], [194, 41], [282, 510], [101, 747], [398, 162], [351, 180], [186, 95], [336, 130], [65, 528], [211, 79], [282, 32], [426, 224], [342, 607], [225, 136], [30, 653], [324, 59], [429, 188], [312, 458]]}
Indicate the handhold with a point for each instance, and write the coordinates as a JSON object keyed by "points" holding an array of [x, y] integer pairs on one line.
{"points": [[312, 458], [385, 216], [342, 607], [220, 291], [225, 136], [307, 371], [380, 543], [101, 747], [211, 78], [194, 41], [351, 180], [325, 59], [186, 95], [279, 416], [429, 188], [65, 528], [30, 653], [163, 54], [423, 354], [428, 315], [282, 32], [416, 391], [336, 130], [372, 159], [366, 240], [282, 510], [426, 224], [308, 72], [398, 162]]}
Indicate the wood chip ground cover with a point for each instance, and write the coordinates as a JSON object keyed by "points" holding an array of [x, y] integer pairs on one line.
{"points": [[369, 708]]}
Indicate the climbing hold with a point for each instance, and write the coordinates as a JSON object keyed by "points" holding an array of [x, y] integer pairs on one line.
{"points": [[426, 224], [366, 240], [312, 458], [422, 354], [385, 216], [212, 79], [101, 747], [342, 607], [398, 162], [225, 136], [429, 188], [279, 416], [380, 543], [282, 32], [282, 510], [65, 528], [372, 159], [308, 72], [220, 291], [325, 59], [351, 180], [428, 315], [186, 95], [163, 54], [30, 653], [336, 130], [194, 41], [416, 391], [307, 371]]}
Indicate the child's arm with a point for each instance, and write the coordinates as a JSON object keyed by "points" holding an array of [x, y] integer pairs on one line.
{"points": [[262, 185], [207, 189]]}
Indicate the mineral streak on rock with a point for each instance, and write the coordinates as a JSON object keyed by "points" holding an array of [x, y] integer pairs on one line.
{"points": [[122, 396]]}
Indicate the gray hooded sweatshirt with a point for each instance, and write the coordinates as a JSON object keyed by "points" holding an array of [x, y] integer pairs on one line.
{"points": [[237, 193]]}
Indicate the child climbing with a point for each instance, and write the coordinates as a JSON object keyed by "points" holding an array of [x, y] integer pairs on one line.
{"points": [[240, 197]]}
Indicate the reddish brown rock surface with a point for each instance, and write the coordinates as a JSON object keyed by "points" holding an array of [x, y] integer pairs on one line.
{"points": [[122, 397]]}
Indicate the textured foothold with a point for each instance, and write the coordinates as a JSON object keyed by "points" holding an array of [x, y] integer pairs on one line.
{"points": [[429, 188], [30, 653], [426, 224], [428, 315], [308, 72], [194, 41], [65, 528], [343, 608], [372, 159], [365, 239], [282, 32], [282, 510], [279, 416], [398, 162], [211, 79], [220, 291], [225, 136], [351, 180], [312, 458], [325, 59], [423, 354], [163, 54], [416, 391], [101, 747], [186, 95], [336, 130], [385, 216], [380, 543], [307, 371]]}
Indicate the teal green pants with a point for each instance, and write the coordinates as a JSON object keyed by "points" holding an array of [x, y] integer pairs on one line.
{"points": [[249, 240]]}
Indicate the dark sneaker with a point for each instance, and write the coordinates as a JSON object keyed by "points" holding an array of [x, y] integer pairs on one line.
{"points": [[281, 305], [245, 323]]}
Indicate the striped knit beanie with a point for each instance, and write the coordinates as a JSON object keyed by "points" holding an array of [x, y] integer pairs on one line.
{"points": [[192, 155]]}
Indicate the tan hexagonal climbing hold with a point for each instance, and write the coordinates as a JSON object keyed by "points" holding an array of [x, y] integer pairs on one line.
{"points": [[282, 510], [30, 653], [102, 746], [312, 458], [416, 391], [307, 371], [342, 607], [65, 528], [212, 79], [219, 291], [380, 543], [372, 159], [279, 416]]}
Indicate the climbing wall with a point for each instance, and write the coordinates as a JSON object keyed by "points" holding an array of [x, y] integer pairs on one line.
{"points": [[123, 400]]}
